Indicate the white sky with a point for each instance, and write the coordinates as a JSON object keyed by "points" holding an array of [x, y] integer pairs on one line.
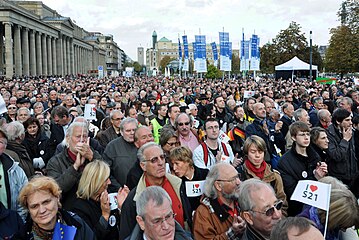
{"points": [[132, 22]]}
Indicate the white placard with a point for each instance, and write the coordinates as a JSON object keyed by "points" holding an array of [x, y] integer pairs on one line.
{"points": [[248, 94], [90, 112], [113, 200], [194, 188], [3, 108]]}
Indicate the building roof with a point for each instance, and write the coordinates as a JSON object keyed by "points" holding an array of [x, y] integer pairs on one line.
{"points": [[164, 39]]}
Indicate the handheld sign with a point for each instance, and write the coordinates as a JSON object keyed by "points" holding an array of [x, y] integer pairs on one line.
{"points": [[194, 188], [90, 112], [248, 94], [3, 108]]}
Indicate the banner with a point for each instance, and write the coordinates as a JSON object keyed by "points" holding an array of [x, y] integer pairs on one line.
{"points": [[179, 54], [201, 53], [215, 53], [254, 53], [225, 64], [186, 55], [325, 80], [194, 46], [230, 55], [244, 66]]}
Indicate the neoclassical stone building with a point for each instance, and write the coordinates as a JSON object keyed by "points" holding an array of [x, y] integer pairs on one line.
{"points": [[36, 40]]}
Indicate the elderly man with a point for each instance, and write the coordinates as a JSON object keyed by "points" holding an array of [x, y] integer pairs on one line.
{"points": [[152, 162], [66, 167], [120, 153], [155, 218], [14, 179], [260, 128], [325, 118], [212, 150], [186, 136], [317, 105], [113, 131], [287, 117], [23, 114], [217, 216], [15, 132], [260, 209]]}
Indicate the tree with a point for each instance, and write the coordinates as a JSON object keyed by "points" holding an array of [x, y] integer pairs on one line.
{"points": [[164, 62], [287, 44], [137, 67], [235, 64], [343, 51], [213, 72]]}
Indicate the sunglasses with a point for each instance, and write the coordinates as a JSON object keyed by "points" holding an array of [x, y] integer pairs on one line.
{"points": [[270, 211], [182, 124]]}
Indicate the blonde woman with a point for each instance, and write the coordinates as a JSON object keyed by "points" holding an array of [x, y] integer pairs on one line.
{"points": [[93, 204]]}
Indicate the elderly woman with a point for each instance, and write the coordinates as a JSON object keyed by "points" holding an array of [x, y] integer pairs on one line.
{"points": [[184, 168], [319, 141], [255, 167], [46, 219], [93, 203], [15, 132], [36, 143]]}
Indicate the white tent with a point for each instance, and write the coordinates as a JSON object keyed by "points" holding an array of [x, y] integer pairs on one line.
{"points": [[293, 66]]}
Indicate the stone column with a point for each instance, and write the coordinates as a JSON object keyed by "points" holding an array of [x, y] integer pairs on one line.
{"points": [[75, 59], [68, 55], [72, 56], [49, 56], [59, 55], [64, 48], [17, 50], [44, 54], [32, 54], [9, 64], [38, 54], [25, 51], [54, 57]]}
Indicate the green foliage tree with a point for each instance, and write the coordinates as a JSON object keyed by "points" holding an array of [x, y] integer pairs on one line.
{"points": [[343, 51], [164, 61], [213, 72], [235, 64], [137, 67], [287, 44]]}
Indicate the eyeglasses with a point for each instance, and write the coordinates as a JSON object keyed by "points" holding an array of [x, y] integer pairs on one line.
{"points": [[117, 119], [270, 211], [171, 144], [158, 221], [156, 159], [11, 108], [185, 123], [238, 176]]}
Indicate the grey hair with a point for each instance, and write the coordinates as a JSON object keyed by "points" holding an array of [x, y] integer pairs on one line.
{"points": [[349, 100], [113, 113], [70, 130], [322, 113], [246, 188], [127, 121], [141, 150], [38, 104], [166, 134], [14, 130], [213, 175], [181, 114], [154, 194], [298, 113], [23, 108], [81, 119]]}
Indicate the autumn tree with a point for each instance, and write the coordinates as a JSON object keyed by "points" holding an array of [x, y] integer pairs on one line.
{"points": [[164, 62]]}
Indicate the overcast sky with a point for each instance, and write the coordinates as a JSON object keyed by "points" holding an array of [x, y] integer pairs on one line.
{"points": [[132, 22]]}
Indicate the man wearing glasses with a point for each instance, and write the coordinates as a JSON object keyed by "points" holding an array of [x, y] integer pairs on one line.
{"points": [[212, 150], [152, 162], [260, 209], [113, 131], [186, 135], [217, 216], [155, 218]]}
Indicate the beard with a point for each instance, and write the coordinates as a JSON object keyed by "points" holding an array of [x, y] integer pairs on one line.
{"points": [[233, 196]]}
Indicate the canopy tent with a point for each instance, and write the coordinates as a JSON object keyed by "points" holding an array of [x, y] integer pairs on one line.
{"points": [[295, 68]]}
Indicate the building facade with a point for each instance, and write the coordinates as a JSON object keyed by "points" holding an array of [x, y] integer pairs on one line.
{"points": [[36, 40]]}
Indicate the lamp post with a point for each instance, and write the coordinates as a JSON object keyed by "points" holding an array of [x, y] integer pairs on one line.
{"points": [[310, 57]]}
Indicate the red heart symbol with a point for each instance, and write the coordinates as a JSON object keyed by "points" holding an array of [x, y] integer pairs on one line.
{"points": [[196, 185], [313, 188], [94, 109]]}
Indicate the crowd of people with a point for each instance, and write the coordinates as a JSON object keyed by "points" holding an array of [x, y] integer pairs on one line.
{"points": [[176, 158]]}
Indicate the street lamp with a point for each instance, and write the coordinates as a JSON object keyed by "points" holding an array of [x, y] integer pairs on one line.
{"points": [[310, 57]]}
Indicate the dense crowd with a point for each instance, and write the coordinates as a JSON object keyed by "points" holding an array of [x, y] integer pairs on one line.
{"points": [[176, 158]]}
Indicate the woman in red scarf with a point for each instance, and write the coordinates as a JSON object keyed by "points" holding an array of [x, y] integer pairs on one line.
{"points": [[255, 167]]}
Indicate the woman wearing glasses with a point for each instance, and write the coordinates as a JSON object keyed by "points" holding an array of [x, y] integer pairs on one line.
{"points": [[184, 168], [255, 167]]}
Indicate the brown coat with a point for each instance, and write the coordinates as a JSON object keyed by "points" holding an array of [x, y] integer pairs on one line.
{"points": [[211, 221], [275, 180]]}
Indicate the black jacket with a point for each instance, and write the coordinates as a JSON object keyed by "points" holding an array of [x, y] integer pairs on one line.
{"points": [[11, 223], [83, 231], [342, 161], [294, 167], [90, 212], [38, 146]]}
